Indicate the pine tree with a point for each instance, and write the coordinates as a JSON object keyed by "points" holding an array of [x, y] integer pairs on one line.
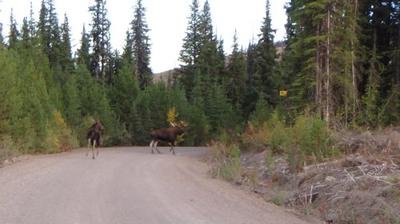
{"points": [[218, 110], [262, 78], [1, 35], [25, 34], [100, 35], [190, 49], [83, 56], [72, 104], [32, 23], [9, 93], [261, 113], [66, 61], [124, 91], [236, 71], [135, 127], [127, 54], [49, 32], [210, 61], [141, 46], [14, 34]]}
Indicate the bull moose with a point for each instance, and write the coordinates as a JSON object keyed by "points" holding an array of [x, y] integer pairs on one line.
{"points": [[168, 135]]}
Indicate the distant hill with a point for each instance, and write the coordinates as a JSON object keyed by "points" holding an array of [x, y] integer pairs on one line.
{"points": [[166, 76]]}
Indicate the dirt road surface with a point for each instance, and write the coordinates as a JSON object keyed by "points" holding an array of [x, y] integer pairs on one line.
{"points": [[127, 186]]}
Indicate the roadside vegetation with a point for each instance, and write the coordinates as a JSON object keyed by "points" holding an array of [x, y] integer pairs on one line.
{"points": [[311, 119]]}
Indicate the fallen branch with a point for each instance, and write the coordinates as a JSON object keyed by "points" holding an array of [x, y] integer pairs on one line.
{"points": [[351, 176]]}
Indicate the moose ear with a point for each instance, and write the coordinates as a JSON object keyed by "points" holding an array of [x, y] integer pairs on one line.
{"points": [[183, 124]]}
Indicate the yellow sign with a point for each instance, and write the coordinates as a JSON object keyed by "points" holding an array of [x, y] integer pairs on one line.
{"points": [[283, 93]]}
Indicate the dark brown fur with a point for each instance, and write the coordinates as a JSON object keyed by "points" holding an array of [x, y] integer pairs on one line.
{"points": [[93, 137], [168, 135]]}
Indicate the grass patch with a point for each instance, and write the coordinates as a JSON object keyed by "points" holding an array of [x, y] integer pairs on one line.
{"points": [[279, 198], [226, 162]]}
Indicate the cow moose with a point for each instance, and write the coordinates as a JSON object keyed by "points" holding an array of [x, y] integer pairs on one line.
{"points": [[93, 137], [168, 135]]}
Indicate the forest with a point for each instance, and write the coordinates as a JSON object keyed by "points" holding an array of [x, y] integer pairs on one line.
{"points": [[340, 65]]}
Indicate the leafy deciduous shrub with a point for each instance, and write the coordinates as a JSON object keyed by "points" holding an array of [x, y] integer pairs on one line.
{"points": [[307, 141]]}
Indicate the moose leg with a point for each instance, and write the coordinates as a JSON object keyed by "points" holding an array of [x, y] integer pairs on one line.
{"points": [[97, 148], [93, 146], [151, 146], [88, 146], [97, 151], [155, 145], [173, 149]]}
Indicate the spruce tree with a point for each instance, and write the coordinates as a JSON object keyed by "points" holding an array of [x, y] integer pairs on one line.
{"points": [[190, 48], [210, 61], [14, 34], [100, 35], [49, 32], [66, 61], [1, 35], [83, 55], [262, 79], [25, 34], [236, 76], [141, 45], [124, 91], [127, 54], [72, 103]]}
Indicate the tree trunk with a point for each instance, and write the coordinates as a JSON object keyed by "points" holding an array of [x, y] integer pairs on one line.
{"points": [[318, 94], [353, 66], [328, 69]]}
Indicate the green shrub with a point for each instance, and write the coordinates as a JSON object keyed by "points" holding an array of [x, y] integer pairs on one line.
{"points": [[226, 162], [7, 148], [309, 142], [279, 137]]}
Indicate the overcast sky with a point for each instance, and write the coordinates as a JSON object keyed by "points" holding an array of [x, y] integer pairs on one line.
{"points": [[167, 20]]}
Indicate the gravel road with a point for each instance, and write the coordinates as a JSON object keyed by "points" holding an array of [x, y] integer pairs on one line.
{"points": [[127, 186]]}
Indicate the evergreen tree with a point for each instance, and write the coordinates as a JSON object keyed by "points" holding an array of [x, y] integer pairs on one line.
{"points": [[127, 54], [236, 80], [72, 104], [261, 113], [83, 55], [32, 23], [25, 34], [218, 110], [210, 61], [100, 35], [262, 79], [14, 34], [49, 32], [1, 35], [141, 46], [190, 48], [9, 94], [135, 126], [123, 92], [66, 61]]}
